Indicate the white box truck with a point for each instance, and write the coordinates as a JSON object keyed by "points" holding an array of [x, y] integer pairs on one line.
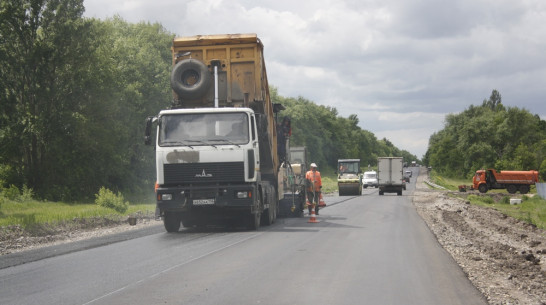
{"points": [[390, 175]]}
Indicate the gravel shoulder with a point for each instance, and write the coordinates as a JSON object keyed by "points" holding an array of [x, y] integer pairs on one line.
{"points": [[502, 256]]}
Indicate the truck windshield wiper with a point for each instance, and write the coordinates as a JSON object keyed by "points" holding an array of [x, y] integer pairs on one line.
{"points": [[226, 140], [175, 143]]}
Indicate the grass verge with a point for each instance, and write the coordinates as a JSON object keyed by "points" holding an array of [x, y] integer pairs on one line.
{"points": [[531, 210], [31, 213]]}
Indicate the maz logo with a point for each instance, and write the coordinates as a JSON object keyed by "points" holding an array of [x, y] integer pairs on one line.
{"points": [[203, 175]]}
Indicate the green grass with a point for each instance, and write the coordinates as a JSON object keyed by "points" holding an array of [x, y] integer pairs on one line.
{"points": [[29, 213], [329, 184], [449, 183], [531, 210]]}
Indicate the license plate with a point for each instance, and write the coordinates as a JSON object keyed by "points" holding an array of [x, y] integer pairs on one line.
{"points": [[203, 201]]}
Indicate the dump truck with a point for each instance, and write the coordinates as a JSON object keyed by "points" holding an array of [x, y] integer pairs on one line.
{"points": [[512, 181], [349, 177], [216, 148], [390, 175]]}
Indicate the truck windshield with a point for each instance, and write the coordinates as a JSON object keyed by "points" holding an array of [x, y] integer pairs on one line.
{"points": [[348, 167], [195, 129]]}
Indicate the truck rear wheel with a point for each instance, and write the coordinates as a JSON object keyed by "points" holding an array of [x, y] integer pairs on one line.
{"points": [[512, 189], [524, 189], [171, 221]]}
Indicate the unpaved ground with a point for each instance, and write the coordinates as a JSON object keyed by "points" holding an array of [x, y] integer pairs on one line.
{"points": [[14, 239], [503, 257]]}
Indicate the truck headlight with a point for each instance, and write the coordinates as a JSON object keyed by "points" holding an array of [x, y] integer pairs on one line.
{"points": [[166, 196]]}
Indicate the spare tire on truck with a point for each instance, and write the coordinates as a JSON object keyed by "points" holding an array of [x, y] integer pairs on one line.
{"points": [[190, 79]]}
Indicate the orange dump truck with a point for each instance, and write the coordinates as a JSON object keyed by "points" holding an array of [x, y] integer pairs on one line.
{"points": [[512, 181]]}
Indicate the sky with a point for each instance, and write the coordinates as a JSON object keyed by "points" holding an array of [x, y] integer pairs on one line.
{"points": [[400, 65]]}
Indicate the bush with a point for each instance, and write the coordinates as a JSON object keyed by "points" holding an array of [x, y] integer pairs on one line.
{"points": [[482, 199], [505, 200], [106, 198], [11, 193]]}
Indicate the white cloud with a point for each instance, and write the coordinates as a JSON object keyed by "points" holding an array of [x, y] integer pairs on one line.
{"points": [[400, 66]]}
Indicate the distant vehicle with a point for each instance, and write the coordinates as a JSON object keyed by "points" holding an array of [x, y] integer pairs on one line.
{"points": [[349, 178], [512, 181], [407, 175], [370, 179], [390, 176], [413, 163]]}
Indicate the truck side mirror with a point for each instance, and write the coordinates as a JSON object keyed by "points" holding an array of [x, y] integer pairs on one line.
{"points": [[148, 131]]}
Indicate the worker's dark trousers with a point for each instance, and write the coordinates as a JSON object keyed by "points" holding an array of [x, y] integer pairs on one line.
{"points": [[311, 198]]}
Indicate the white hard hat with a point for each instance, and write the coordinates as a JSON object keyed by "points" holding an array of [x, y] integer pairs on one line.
{"points": [[313, 165]]}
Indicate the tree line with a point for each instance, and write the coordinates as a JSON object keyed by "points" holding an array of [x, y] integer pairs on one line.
{"points": [[74, 93], [329, 136], [488, 136]]}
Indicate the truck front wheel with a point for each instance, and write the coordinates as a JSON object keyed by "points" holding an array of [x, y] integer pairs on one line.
{"points": [[512, 189], [171, 221], [253, 221], [482, 188]]}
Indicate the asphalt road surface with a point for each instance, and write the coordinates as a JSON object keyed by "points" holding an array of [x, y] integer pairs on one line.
{"points": [[368, 249]]}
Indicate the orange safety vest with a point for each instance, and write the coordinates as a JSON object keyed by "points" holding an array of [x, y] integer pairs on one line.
{"points": [[315, 179]]}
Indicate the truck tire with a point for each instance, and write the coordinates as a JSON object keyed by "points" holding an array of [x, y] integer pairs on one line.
{"points": [[268, 215], [482, 188], [187, 221], [524, 189], [399, 193], [380, 192], [171, 221], [253, 220], [190, 79], [512, 188]]}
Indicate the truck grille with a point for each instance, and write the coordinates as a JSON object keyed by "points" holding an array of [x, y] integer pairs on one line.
{"points": [[218, 172]]}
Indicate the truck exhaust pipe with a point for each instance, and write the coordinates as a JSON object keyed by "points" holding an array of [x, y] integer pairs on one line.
{"points": [[215, 63]]}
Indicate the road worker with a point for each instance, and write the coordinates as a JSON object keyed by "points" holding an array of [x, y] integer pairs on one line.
{"points": [[314, 186]]}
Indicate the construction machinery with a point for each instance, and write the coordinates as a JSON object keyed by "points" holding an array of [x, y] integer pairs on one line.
{"points": [[349, 178]]}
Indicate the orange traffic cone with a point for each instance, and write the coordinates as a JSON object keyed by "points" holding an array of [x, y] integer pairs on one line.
{"points": [[321, 201], [313, 218]]}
